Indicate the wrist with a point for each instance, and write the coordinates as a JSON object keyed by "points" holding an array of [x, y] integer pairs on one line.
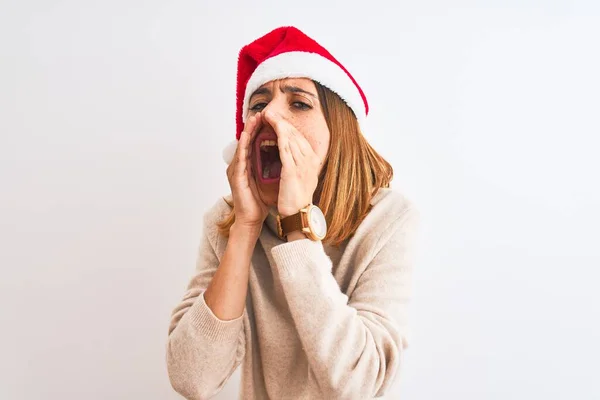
{"points": [[306, 223], [286, 212], [296, 235], [244, 231]]}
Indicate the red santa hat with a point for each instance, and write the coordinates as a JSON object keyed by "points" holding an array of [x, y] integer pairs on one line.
{"points": [[287, 52]]}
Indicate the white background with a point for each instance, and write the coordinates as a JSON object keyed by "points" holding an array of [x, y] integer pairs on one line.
{"points": [[113, 115]]}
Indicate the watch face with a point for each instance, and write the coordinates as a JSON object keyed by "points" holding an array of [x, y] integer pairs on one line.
{"points": [[317, 223]]}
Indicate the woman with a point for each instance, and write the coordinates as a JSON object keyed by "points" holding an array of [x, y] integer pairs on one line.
{"points": [[303, 274]]}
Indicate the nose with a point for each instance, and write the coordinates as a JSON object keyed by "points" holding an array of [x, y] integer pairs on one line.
{"points": [[278, 106], [278, 103], [272, 107]]}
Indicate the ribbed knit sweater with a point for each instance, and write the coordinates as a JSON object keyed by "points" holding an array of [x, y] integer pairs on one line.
{"points": [[320, 322]]}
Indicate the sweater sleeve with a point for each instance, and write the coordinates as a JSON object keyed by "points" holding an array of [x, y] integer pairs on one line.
{"points": [[202, 350], [353, 345]]}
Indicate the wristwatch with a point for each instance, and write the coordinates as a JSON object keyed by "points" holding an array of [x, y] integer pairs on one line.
{"points": [[309, 220]]}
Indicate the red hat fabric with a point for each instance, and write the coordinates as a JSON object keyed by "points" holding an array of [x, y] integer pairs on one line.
{"points": [[287, 52]]}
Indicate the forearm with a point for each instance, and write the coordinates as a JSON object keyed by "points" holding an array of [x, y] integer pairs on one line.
{"points": [[226, 293], [345, 354], [203, 349], [353, 345]]}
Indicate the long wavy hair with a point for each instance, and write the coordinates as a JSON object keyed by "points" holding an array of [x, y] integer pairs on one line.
{"points": [[352, 174]]}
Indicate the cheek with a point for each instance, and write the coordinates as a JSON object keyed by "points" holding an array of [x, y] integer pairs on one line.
{"points": [[317, 135], [320, 143], [321, 147]]}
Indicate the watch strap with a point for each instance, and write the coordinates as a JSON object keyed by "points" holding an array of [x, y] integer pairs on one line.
{"points": [[291, 224]]}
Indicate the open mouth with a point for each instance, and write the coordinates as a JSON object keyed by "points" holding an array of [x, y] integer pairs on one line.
{"points": [[267, 159]]}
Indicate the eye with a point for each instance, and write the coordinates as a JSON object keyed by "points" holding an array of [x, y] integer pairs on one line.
{"points": [[258, 107], [301, 106]]}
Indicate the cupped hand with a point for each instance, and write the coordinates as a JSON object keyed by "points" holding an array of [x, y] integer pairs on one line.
{"points": [[300, 166], [250, 210]]}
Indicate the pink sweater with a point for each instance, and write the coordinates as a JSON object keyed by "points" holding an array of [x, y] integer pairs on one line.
{"points": [[320, 322]]}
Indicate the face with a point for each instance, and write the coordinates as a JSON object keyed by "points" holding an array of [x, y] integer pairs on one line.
{"points": [[296, 100]]}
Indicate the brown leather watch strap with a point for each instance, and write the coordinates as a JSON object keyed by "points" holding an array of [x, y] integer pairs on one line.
{"points": [[291, 224]]}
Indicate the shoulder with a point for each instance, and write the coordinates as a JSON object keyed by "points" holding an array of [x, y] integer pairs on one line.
{"points": [[219, 209], [393, 206], [216, 213], [393, 216]]}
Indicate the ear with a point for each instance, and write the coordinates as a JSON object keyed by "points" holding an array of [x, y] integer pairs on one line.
{"points": [[229, 152]]}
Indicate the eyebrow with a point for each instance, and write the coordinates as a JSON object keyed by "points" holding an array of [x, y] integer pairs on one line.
{"points": [[284, 89]]}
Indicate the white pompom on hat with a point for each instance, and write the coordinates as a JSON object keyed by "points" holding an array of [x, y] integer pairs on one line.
{"points": [[287, 52], [229, 151]]}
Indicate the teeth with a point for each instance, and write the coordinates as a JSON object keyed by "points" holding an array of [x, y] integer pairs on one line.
{"points": [[266, 143]]}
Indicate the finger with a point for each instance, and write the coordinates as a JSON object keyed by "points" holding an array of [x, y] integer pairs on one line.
{"points": [[305, 146], [238, 165], [285, 152], [295, 150], [277, 122], [254, 131], [254, 187], [310, 156], [254, 127], [249, 125], [242, 154], [231, 168], [281, 128], [252, 184]]}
